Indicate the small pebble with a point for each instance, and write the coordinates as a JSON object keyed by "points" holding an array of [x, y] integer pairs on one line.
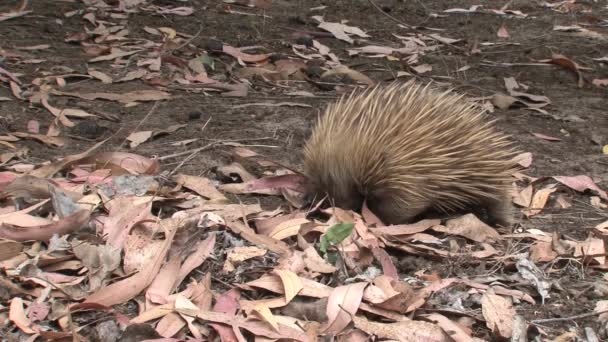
{"points": [[304, 40], [194, 115]]}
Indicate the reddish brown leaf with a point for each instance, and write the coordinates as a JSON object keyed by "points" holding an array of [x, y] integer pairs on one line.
{"points": [[342, 303], [581, 183], [44, 233]]}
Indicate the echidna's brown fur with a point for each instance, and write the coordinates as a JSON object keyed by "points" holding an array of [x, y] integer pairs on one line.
{"points": [[407, 150]]}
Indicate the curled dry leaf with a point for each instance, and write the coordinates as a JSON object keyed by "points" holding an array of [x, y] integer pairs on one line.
{"points": [[581, 183], [45, 139], [342, 305], [170, 325], [250, 235], [45, 232], [126, 289], [124, 214], [600, 82], [470, 227], [499, 313], [339, 30], [201, 186], [164, 282], [136, 138], [350, 73], [406, 229], [266, 315], [546, 137], [9, 249], [502, 32], [542, 251], [17, 315], [239, 254], [524, 197], [456, 331], [245, 57], [591, 249], [125, 162], [288, 228], [194, 260], [539, 200], [523, 159], [291, 283], [290, 181], [315, 263]]}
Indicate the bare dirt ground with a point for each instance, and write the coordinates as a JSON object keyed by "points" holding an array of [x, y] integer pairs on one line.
{"points": [[558, 52]]}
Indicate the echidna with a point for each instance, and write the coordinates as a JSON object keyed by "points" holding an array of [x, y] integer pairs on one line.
{"points": [[410, 151]]}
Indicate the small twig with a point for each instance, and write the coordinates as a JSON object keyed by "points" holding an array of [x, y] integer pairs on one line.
{"points": [[571, 318], [411, 27], [196, 150], [200, 29], [140, 123]]}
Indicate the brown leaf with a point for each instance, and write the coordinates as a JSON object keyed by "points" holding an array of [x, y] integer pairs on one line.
{"points": [[523, 159], [201, 186], [9, 249], [194, 260], [539, 200], [310, 288], [127, 162], [600, 82], [342, 305], [291, 283], [405, 229], [248, 234], [170, 325], [288, 228], [44, 233], [455, 330], [126, 289], [524, 197], [567, 63], [352, 74], [290, 181], [581, 183], [470, 227], [51, 141], [546, 137], [499, 313], [340, 30], [124, 214], [404, 331], [542, 251], [388, 268], [104, 78], [503, 101], [17, 315], [165, 282], [128, 97], [502, 32], [315, 263], [115, 53], [237, 255], [245, 57]]}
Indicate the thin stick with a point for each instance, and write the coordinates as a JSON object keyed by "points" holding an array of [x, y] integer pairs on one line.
{"points": [[571, 318], [410, 27]]}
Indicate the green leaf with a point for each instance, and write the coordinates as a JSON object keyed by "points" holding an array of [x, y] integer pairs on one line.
{"points": [[207, 60], [335, 234]]}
